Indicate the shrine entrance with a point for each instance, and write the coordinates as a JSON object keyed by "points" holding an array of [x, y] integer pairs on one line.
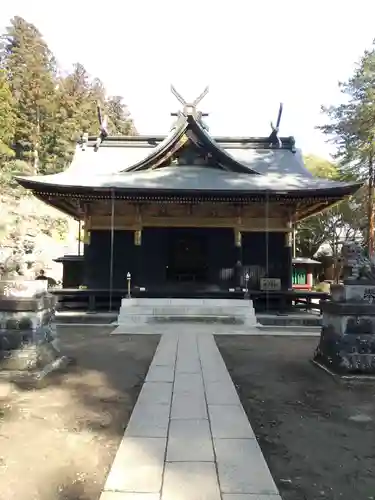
{"points": [[187, 255]]}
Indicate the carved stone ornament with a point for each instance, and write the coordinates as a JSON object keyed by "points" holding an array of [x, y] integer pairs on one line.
{"points": [[356, 265]]}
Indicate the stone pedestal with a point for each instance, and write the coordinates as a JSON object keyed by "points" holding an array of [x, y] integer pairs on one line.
{"points": [[28, 341], [347, 342], [142, 311]]}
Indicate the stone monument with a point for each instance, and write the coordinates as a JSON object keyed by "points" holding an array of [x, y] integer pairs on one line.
{"points": [[347, 341], [28, 343]]}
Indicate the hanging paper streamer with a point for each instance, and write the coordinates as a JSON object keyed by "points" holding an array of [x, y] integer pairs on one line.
{"points": [[289, 236], [86, 236], [237, 238], [138, 238]]}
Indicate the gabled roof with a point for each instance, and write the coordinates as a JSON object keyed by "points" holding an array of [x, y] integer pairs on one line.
{"points": [[143, 164], [195, 179], [122, 155], [188, 129]]}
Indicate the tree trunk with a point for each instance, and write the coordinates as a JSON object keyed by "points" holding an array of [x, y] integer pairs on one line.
{"points": [[36, 145], [370, 234]]}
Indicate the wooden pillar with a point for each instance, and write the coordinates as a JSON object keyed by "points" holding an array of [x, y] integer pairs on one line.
{"points": [[137, 278], [309, 276], [238, 269], [289, 256]]}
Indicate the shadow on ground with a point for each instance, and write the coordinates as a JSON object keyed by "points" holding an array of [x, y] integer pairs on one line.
{"points": [[316, 432], [61, 438]]}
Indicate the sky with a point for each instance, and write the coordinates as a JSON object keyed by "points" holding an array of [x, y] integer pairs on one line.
{"points": [[252, 54]]}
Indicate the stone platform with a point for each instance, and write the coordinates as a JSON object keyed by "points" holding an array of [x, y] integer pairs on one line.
{"points": [[138, 312]]}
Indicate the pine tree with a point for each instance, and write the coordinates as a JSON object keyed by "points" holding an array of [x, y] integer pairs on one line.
{"points": [[352, 130], [119, 117], [30, 68], [50, 110], [340, 223], [7, 119], [69, 118]]}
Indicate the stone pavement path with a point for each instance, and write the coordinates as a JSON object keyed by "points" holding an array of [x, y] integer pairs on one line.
{"points": [[188, 437]]}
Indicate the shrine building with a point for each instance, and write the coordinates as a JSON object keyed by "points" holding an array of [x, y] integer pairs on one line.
{"points": [[187, 210]]}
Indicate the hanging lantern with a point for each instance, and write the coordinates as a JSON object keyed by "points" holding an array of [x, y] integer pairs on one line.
{"points": [[138, 237]]}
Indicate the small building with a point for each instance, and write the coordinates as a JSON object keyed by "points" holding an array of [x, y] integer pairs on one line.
{"points": [[188, 210], [72, 272], [303, 272]]}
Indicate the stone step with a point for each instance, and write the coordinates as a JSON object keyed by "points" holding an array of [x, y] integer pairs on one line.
{"points": [[167, 302], [141, 319], [290, 320], [207, 311], [186, 311]]}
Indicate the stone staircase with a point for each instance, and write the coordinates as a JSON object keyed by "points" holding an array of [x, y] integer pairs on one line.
{"points": [[146, 311]]}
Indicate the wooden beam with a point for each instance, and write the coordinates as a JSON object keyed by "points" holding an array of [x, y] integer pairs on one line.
{"points": [[304, 211], [132, 223], [59, 204]]}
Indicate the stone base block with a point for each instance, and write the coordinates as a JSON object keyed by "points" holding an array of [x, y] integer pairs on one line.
{"points": [[142, 311], [346, 354], [28, 343], [29, 357]]}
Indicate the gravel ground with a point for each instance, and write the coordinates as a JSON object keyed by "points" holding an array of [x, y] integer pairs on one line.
{"points": [[58, 442], [317, 433]]}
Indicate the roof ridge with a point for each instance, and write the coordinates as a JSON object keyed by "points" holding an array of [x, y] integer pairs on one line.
{"points": [[287, 143]]}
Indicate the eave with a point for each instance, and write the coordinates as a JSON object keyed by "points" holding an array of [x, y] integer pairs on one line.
{"points": [[65, 205], [305, 203]]}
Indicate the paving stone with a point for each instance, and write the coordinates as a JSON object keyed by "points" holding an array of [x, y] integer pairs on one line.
{"points": [[149, 420], [189, 441], [188, 367], [165, 354], [115, 495], [251, 497], [229, 421], [138, 466], [188, 364], [216, 375], [188, 406], [221, 393], [188, 383], [242, 468], [196, 366], [212, 363], [190, 481], [155, 393], [160, 373]]}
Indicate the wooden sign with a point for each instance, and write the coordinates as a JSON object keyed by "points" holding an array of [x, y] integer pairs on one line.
{"points": [[270, 284]]}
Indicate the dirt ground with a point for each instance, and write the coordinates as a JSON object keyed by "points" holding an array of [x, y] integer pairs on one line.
{"points": [[57, 443], [317, 433]]}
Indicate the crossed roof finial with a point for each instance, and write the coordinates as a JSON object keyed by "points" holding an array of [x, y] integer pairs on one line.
{"points": [[190, 107], [274, 138], [103, 127]]}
